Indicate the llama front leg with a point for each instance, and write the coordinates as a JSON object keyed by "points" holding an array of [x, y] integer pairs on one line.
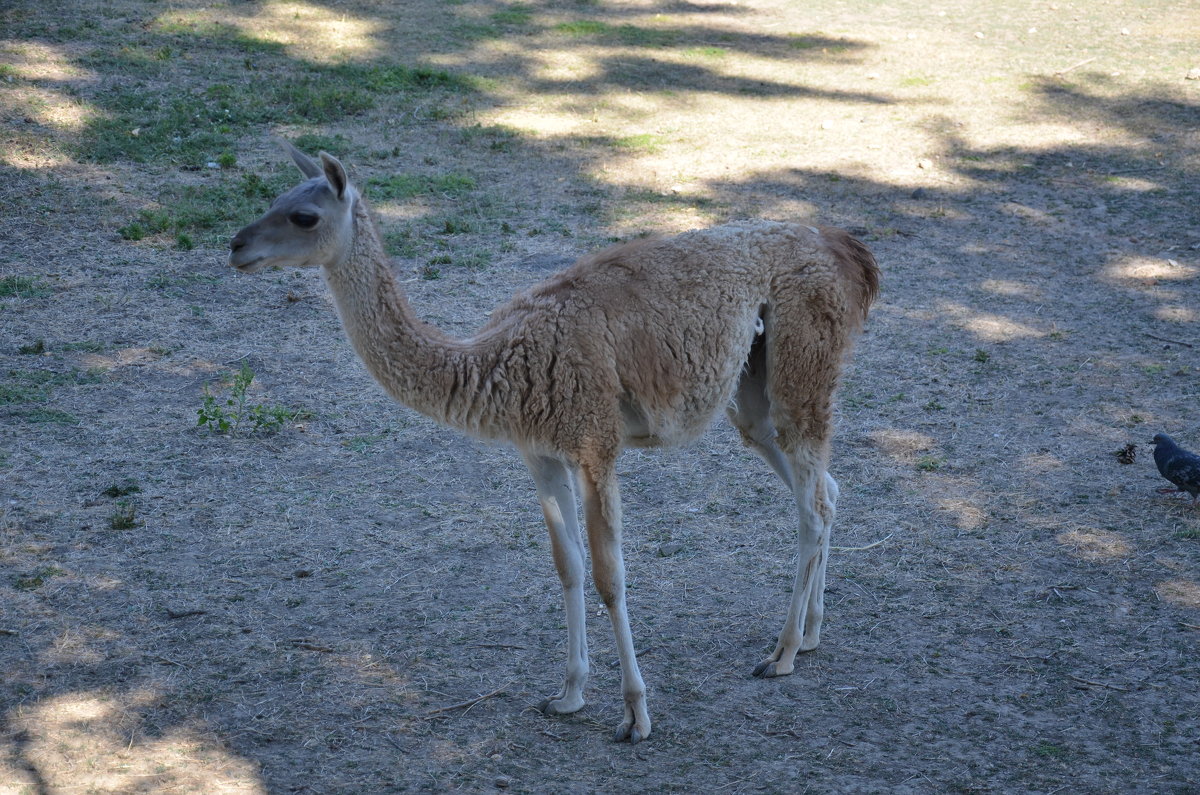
{"points": [[816, 499], [602, 506], [557, 495]]}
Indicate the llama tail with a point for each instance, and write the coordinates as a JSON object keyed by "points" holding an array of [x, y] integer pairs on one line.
{"points": [[856, 266]]}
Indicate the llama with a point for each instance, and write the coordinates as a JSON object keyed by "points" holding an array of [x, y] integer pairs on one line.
{"points": [[637, 345]]}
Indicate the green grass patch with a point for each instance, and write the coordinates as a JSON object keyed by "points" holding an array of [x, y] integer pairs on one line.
{"points": [[193, 25], [205, 214], [193, 124], [23, 287], [43, 414], [30, 582], [583, 27], [336, 145], [36, 386], [643, 142], [630, 35], [513, 16], [406, 186], [401, 243]]}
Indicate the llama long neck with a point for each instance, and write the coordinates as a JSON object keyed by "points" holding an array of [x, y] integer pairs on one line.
{"points": [[415, 362]]}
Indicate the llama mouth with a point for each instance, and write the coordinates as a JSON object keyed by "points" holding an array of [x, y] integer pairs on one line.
{"points": [[248, 267]]}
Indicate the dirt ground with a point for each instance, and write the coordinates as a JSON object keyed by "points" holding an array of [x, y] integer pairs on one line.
{"points": [[337, 595]]}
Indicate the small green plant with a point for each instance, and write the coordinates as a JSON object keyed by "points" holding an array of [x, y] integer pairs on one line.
{"points": [[34, 348], [30, 582], [456, 226], [124, 517], [982, 356], [228, 416], [132, 231], [227, 160], [121, 490], [930, 463]]}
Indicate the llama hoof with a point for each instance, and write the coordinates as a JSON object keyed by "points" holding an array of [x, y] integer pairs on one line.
{"points": [[633, 733], [560, 706], [770, 668]]}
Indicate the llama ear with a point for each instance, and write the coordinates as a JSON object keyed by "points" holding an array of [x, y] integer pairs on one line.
{"points": [[308, 167], [336, 174]]}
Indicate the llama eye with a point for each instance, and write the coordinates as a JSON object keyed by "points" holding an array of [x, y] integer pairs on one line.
{"points": [[304, 220]]}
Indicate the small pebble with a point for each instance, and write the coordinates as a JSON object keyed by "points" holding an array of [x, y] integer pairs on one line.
{"points": [[924, 163], [1193, 73], [670, 548], [503, 782], [920, 193]]}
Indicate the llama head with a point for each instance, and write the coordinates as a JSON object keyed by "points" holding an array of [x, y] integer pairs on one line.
{"points": [[310, 225]]}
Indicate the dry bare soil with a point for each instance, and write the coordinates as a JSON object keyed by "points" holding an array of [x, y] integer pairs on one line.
{"points": [[303, 594]]}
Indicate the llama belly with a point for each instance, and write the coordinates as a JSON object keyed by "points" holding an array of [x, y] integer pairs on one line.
{"points": [[645, 427]]}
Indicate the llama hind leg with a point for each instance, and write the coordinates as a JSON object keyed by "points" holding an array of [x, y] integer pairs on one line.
{"points": [[557, 496], [816, 494], [814, 600]]}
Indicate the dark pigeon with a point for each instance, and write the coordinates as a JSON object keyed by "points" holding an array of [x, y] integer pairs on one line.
{"points": [[1177, 465]]}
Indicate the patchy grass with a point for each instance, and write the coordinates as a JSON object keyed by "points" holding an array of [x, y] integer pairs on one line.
{"points": [[23, 287], [407, 186], [205, 212]]}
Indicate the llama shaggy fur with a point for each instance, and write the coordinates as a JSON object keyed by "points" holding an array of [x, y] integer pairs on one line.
{"points": [[641, 344]]}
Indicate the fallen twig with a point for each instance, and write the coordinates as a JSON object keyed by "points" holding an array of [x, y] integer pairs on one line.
{"points": [[499, 646], [1168, 339], [9, 632], [1076, 66], [184, 613], [300, 643], [860, 549], [469, 702], [1081, 680]]}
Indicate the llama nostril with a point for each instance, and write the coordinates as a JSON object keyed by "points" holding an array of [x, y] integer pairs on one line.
{"points": [[236, 244]]}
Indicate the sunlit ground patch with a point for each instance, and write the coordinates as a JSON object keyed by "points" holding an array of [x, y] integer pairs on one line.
{"points": [[1181, 593], [92, 742], [1097, 546]]}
